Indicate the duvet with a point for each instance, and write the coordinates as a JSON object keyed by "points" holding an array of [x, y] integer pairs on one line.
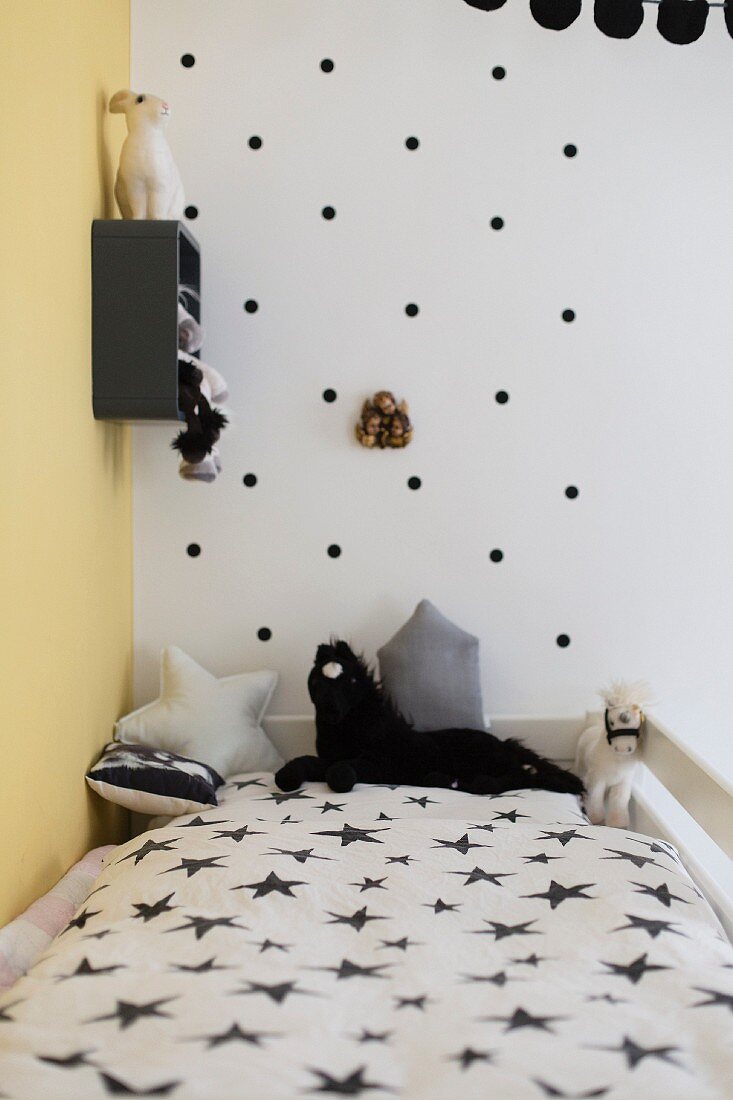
{"points": [[388, 942]]}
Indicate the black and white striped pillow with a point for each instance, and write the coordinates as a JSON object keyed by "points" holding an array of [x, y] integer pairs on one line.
{"points": [[151, 781]]}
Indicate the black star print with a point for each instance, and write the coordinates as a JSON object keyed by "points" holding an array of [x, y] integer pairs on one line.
{"points": [[635, 970], [128, 1013], [401, 945], [247, 783], [635, 1053], [509, 815], [193, 866], [278, 992], [200, 968], [301, 856], [468, 1056], [557, 894], [405, 860], [422, 801], [502, 931], [237, 835], [441, 906], [521, 1018], [607, 998], [149, 912], [278, 797], [331, 806], [552, 1090], [657, 846], [266, 945], [661, 893], [272, 884], [370, 884], [115, 1087], [353, 1084], [716, 998], [348, 969], [85, 969], [202, 925], [541, 857], [485, 827], [235, 1034], [632, 857], [652, 927], [4, 1012], [357, 920], [462, 845], [148, 847], [531, 960], [93, 892], [81, 920], [349, 834], [413, 1002], [101, 935], [563, 838], [384, 817], [71, 1061], [372, 1036], [499, 979], [197, 822], [478, 875]]}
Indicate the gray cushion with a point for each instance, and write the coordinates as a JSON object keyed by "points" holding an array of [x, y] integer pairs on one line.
{"points": [[430, 670]]}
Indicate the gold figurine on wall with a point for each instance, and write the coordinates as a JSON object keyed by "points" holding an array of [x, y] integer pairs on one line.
{"points": [[384, 422]]}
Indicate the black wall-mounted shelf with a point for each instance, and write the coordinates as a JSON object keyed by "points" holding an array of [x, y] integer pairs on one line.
{"points": [[138, 268]]}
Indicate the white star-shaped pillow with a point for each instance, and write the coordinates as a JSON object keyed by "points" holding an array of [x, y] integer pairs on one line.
{"points": [[199, 716]]}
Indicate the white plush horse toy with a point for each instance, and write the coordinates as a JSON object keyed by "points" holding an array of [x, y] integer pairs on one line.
{"points": [[148, 183], [608, 754]]}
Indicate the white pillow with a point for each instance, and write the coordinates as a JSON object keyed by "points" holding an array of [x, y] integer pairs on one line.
{"points": [[204, 718]]}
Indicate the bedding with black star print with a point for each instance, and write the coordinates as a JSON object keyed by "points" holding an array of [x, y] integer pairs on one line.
{"points": [[389, 942]]}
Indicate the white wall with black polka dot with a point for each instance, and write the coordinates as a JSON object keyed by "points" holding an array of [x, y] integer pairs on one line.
{"points": [[526, 235]]}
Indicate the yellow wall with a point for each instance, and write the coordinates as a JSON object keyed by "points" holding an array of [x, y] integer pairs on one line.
{"points": [[65, 522]]}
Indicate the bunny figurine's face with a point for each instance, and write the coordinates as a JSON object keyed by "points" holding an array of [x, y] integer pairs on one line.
{"points": [[140, 108]]}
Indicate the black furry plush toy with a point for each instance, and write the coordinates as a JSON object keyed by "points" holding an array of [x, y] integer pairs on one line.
{"points": [[362, 738], [204, 424]]}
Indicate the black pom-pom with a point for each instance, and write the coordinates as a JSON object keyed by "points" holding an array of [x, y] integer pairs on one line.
{"points": [[682, 21], [555, 15], [486, 5], [218, 420], [193, 446], [618, 18]]}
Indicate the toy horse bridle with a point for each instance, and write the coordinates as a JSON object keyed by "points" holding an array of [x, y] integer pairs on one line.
{"points": [[611, 733]]}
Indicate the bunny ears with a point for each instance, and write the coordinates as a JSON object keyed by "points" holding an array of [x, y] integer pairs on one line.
{"points": [[120, 101]]}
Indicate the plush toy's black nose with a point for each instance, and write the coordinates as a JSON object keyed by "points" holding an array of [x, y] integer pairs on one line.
{"points": [[682, 21], [618, 18]]}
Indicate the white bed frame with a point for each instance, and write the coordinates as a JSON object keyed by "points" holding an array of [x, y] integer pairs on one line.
{"points": [[677, 797]]}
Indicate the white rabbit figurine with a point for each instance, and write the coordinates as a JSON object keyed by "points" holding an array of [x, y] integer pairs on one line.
{"points": [[148, 183], [608, 753]]}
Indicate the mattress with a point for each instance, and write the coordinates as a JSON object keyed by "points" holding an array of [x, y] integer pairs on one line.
{"points": [[386, 942]]}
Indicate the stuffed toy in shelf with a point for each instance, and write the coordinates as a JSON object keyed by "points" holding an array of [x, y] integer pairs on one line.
{"points": [[190, 332], [198, 386], [383, 422], [148, 184], [608, 753]]}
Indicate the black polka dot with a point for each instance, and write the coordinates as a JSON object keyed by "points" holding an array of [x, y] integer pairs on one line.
{"points": [[255, 142], [570, 150], [497, 555], [250, 480], [412, 310], [571, 492], [193, 549], [568, 315], [188, 61], [328, 213], [497, 223], [327, 65], [414, 482], [499, 72], [191, 212], [334, 551], [501, 397], [412, 143], [563, 640], [264, 633], [251, 306], [329, 396]]}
